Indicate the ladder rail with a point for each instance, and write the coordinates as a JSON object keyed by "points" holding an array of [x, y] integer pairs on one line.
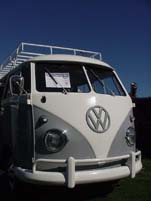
{"points": [[26, 51]]}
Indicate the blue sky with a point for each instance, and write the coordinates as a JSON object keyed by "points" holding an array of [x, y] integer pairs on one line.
{"points": [[120, 29]]}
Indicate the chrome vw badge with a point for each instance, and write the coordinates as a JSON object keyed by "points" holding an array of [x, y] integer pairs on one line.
{"points": [[98, 119]]}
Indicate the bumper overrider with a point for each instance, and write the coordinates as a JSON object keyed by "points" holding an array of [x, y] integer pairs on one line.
{"points": [[71, 177]]}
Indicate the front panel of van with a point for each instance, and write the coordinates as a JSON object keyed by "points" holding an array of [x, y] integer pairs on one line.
{"points": [[74, 117]]}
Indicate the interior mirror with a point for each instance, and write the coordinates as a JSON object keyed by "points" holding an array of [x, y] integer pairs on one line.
{"points": [[133, 90], [16, 83]]}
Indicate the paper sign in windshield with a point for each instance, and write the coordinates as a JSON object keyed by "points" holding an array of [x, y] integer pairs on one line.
{"points": [[61, 80]]}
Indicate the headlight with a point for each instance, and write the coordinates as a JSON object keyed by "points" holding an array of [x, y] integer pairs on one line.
{"points": [[55, 140], [130, 136]]}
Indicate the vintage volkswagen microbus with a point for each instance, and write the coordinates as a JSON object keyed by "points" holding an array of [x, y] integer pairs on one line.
{"points": [[65, 118]]}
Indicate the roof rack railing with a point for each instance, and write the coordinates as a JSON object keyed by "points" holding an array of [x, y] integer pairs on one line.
{"points": [[26, 51]]}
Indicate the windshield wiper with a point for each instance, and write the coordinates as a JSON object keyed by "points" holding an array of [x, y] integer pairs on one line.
{"points": [[55, 81], [101, 82]]}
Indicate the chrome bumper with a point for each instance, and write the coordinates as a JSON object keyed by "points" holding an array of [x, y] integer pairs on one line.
{"points": [[72, 177]]}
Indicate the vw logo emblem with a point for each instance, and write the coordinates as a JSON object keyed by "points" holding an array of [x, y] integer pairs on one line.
{"points": [[98, 119]]}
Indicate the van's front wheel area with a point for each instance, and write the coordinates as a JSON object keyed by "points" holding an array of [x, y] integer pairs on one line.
{"points": [[12, 188], [6, 176], [10, 185], [26, 191], [6, 157]]}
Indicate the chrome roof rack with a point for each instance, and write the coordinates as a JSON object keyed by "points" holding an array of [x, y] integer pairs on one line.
{"points": [[26, 51]]}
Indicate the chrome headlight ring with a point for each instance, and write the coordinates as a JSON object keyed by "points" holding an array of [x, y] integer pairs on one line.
{"points": [[130, 136], [54, 140]]}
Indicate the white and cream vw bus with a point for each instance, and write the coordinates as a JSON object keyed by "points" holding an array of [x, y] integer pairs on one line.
{"points": [[65, 118]]}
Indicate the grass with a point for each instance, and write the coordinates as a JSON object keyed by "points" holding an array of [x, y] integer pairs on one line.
{"points": [[138, 189]]}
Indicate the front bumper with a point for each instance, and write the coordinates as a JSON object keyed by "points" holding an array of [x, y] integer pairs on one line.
{"points": [[72, 177]]}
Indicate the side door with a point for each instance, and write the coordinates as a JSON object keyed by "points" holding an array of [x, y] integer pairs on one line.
{"points": [[17, 120], [2, 136], [24, 134], [6, 126]]}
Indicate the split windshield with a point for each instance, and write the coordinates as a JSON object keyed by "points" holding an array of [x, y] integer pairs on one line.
{"points": [[61, 77], [72, 78], [104, 81]]}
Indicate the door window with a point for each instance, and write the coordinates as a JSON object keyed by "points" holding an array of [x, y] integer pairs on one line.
{"points": [[25, 72]]}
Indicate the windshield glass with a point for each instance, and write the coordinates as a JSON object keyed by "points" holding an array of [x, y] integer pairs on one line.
{"points": [[103, 81], [61, 77]]}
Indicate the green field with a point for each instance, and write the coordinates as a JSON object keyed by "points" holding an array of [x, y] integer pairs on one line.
{"points": [[138, 189]]}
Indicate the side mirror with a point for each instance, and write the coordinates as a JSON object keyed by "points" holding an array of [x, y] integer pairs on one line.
{"points": [[16, 84], [133, 90]]}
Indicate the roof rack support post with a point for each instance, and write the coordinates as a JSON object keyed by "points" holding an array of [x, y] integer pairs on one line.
{"points": [[22, 47], [51, 50], [100, 57]]}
